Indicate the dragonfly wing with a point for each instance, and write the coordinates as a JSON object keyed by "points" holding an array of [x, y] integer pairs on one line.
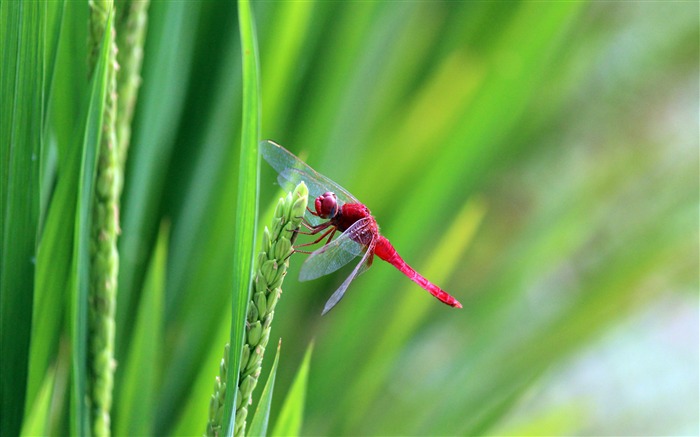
{"points": [[335, 254], [361, 267], [293, 170], [289, 178]]}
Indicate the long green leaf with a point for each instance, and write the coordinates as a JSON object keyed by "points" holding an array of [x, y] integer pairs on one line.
{"points": [[22, 88], [56, 235], [169, 44], [258, 426], [36, 420], [292, 27], [134, 408], [292, 414], [247, 204], [199, 270], [80, 274], [54, 29]]}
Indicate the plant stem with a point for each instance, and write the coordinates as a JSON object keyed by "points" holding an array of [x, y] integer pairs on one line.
{"points": [[103, 246], [131, 33]]}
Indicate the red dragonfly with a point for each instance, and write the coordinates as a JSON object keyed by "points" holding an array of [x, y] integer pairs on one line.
{"points": [[338, 210]]}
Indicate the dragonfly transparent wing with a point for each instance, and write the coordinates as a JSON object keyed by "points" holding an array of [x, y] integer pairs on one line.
{"points": [[361, 267], [293, 170], [336, 254]]}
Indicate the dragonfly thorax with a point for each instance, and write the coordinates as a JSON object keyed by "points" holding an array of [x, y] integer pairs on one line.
{"points": [[326, 205]]}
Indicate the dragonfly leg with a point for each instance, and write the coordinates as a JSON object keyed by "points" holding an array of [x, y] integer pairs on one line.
{"points": [[299, 231], [330, 237], [305, 252], [306, 222], [330, 231], [303, 219], [307, 225], [295, 250], [314, 229]]}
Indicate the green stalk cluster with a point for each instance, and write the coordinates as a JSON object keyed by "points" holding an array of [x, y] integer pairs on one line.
{"points": [[123, 82], [103, 246], [218, 399], [272, 264], [132, 17], [99, 12]]}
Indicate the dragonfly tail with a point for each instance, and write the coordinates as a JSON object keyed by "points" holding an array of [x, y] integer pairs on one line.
{"points": [[386, 251]]}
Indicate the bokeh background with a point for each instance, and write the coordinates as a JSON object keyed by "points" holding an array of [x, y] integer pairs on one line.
{"points": [[538, 160]]}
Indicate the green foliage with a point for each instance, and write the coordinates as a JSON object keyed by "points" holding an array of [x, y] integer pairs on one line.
{"points": [[271, 268], [104, 257], [22, 86], [135, 407], [80, 279], [537, 160], [261, 419], [36, 420], [292, 413], [246, 214]]}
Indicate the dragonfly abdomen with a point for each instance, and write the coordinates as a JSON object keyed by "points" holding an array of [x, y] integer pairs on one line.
{"points": [[385, 250]]}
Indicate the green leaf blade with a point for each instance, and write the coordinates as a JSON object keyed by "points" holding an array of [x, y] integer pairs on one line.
{"points": [[80, 268], [247, 204], [290, 418], [261, 419], [37, 418], [170, 43], [134, 408], [22, 88]]}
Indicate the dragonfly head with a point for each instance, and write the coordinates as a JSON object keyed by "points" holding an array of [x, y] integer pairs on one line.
{"points": [[326, 205]]}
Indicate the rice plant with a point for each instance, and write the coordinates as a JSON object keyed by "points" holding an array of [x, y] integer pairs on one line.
{"points": [[538, 160]]}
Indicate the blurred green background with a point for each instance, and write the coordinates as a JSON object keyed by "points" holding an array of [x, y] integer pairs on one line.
{"points": [[537, 160]]}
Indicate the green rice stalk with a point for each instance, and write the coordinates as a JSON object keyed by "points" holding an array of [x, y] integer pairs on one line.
{"points": [[131, 33], [103, 245], [272, 264], [216, 404], [99, 12]]}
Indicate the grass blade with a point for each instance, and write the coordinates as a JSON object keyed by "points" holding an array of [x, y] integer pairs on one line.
{"points": [[258, 426], [22, 88], [134, 408], [169, 47], [200, 269], [247, 204], [55, 242], [37, 418], [292, 413], [80, 268], [291, 31]]}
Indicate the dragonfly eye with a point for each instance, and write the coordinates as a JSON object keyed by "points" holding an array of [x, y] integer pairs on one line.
{"points": [[326, 205]]}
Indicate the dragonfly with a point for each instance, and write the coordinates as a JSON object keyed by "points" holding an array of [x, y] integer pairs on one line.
{"points": [[336, 210]]}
